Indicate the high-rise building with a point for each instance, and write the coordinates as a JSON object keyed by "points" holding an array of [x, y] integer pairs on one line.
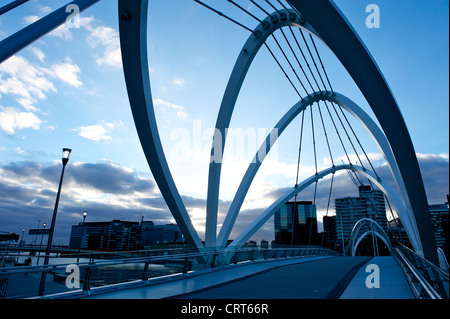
{"points": [[296, 224], [439, 220], [349, 210], [329, 235]]}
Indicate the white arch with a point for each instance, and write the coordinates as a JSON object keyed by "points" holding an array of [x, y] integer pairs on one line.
{"points": [[364, 236], [240, 70], [264, 217], [383, 236], [405, 213]]}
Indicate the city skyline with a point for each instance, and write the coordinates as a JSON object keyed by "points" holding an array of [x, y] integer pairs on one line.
{"points": [[67, 90]]}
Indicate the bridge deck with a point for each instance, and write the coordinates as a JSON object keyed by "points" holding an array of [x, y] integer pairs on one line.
{"points": [[307, 278]]}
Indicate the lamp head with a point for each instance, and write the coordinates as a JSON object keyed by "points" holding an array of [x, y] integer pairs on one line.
{"points": [[66, 155]]}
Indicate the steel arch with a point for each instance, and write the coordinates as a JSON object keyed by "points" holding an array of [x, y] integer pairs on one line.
{"points": [[264, 217], [338, 34], [405, 210], [323, 20], [238, 75], [382, 235]]}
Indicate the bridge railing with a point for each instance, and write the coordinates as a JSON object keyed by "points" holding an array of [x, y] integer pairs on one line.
{"points": [[101, 274], [426, 280]]}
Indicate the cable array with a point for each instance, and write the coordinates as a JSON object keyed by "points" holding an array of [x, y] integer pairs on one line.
{"points": [[298, 57]]}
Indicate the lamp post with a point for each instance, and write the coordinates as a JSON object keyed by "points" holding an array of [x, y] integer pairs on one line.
{"points": [[40, 245], [65, 159], [81, 237], [20, 245]]}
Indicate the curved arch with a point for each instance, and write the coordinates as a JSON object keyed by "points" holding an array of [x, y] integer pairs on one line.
{"points": [[383, 236], [240, 70], [264, 217], [337, 33], [377, 234], [133, 43], [359, 114]]}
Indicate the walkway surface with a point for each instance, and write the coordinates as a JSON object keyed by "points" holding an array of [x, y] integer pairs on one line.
{"points": [[392, 282], [305, 278]]}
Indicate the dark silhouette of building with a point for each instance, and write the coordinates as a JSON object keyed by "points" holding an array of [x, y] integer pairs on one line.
{"points": [[296, 224], [329, 235], [160, 234], [119, 235], [115, 235]]}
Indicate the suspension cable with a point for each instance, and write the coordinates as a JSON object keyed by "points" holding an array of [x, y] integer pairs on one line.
{"points": [[312, 57], [246, 11], [282, 69], [328, 204], [290, 64], [273, 7], [295, 56], [326, 135], [337, 132], [314, 138], [224, 16], [320, 60], [261, 8], [359, 142], [348, 136], [300, 148], [304, 57]]}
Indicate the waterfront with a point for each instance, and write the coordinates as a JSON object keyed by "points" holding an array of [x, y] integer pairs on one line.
{"points": [[26, 284]]}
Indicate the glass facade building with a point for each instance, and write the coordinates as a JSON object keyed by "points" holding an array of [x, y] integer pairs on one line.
{"points": [[296, 224]]}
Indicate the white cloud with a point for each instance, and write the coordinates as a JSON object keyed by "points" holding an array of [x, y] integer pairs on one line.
{"points": [[96, 133], [109, 39], [179, 82], [30, 82], [25, 80], [12, 120], [161, 102], [67, 72], [38, 53]]}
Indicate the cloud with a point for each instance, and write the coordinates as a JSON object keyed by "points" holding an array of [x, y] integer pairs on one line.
{"points": [[26, 81], [12, 120], [30, 82], [108, 38], [179, 108], [160, 102], [96, 133], [67, 72], [178, 82], [109, 191]]}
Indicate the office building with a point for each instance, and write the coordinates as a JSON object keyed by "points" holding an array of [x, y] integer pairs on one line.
{"points": [[349, 210], [440, 218], [160, 234], [329, 235], [115, 235], [296, 224]]}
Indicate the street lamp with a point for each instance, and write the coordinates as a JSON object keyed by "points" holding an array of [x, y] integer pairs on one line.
{"points": [[20, 245], [65, 159], [40, 245], [81, 237]]}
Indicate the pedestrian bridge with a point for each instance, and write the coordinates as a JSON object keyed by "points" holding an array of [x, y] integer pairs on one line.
{"points": [[246, 273]]}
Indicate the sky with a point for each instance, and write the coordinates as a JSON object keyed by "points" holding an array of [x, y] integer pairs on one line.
{"points": [[67, 89]]}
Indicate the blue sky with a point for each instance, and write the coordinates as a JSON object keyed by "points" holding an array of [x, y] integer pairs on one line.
{"points": [[67, 90]]}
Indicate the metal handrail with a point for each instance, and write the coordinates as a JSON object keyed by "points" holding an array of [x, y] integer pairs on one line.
{"points": [[425, 279], [210, 256]]}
